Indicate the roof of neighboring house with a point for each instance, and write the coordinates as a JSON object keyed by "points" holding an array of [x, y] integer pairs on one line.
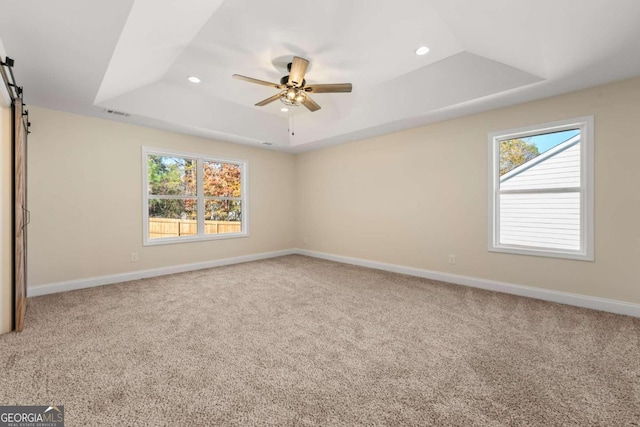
{"points": [[541, 158]]}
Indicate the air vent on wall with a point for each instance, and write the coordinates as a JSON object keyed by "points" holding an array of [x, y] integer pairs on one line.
{"points": [[117, 113]]}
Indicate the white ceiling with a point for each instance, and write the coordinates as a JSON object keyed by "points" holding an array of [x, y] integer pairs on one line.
{"points": [[134, 56]]}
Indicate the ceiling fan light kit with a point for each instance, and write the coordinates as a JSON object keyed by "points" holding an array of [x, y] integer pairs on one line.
{"points": [[292, 97], [293, 88]]}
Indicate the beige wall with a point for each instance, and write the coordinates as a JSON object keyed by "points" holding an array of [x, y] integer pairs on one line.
{"points": [[84, 194], [414, 197], [6, 234], [409, 198]]}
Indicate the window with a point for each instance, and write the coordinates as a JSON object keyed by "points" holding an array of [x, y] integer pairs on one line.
{"points": [[189, 197], [541, 190]]}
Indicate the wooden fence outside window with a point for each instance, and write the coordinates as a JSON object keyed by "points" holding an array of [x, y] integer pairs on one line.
{"points": [[167, 227]]}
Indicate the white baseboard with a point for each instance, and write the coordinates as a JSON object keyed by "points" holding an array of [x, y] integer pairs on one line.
{"points": [[595, 303], [603, 304], [71, 285]]}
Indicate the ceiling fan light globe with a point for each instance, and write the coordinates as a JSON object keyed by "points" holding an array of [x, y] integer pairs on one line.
{"points": [[286, 100]]}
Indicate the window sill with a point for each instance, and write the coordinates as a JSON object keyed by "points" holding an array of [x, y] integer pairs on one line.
{"points": [[548, 253], [173, 240]]}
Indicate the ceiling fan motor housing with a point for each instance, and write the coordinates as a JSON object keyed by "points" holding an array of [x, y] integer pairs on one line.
{"points": [[285, 81]]}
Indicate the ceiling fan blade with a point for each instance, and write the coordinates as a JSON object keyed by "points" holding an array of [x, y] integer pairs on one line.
{"points": [[329, 88], [310, 104], [298, 69], [256, 81], [268, 100]]}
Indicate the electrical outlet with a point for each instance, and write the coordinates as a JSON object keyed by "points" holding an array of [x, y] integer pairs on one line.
{"points": [[452, 259], [134, 256]]}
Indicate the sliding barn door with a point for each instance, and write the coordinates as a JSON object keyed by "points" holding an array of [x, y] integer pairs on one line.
{"points": [[20, 141]]}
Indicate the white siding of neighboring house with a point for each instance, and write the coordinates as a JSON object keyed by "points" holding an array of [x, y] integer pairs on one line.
{"points": [[548, 220]]}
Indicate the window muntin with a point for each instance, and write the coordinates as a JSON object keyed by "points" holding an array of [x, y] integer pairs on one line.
{"points": [[192, 197], [541, 190]]}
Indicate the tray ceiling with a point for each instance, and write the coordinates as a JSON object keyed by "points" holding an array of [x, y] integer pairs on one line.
{"points": [[134, 56]]}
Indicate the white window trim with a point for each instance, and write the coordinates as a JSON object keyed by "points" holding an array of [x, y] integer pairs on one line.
{"points": [[200, 158], [586, 126]]}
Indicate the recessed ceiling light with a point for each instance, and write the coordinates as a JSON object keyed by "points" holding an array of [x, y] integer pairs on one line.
{"points": [[284, 109], [194, 79], [422, 50]]}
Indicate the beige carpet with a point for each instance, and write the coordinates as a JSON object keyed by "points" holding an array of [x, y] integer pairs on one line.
{"points": [[300, 341]]}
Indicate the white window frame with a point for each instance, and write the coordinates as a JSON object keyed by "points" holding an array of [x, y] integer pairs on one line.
{"points": [[586, 251], [200, 197]]}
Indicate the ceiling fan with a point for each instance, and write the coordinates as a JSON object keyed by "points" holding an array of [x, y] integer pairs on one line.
{"points": [[293, 88]]}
